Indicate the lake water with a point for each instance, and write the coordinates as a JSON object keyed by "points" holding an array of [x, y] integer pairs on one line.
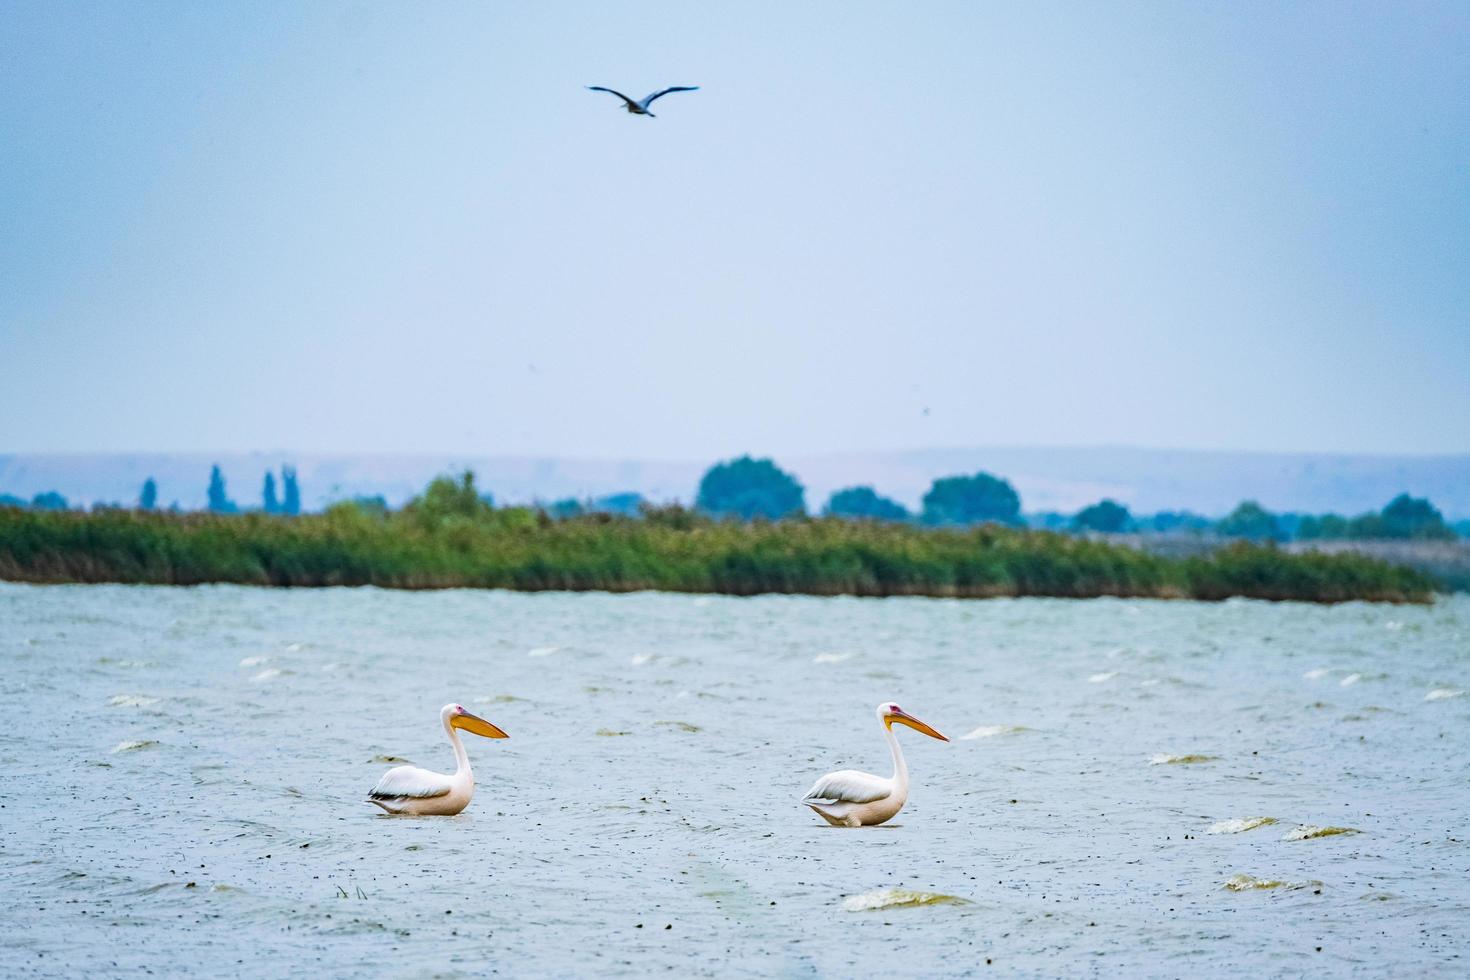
{"points": [[184, 770]]}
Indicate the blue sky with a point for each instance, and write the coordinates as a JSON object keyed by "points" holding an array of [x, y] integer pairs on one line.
{"points": [[366, 227]]}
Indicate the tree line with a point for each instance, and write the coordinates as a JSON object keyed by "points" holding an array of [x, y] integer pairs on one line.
{"points": [[748, 489]]}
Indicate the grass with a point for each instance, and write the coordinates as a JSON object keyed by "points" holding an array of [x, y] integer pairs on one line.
{"points": [[671, 549]]}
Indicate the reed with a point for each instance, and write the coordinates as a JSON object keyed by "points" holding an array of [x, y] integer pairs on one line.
{"points": [[669, 549]]}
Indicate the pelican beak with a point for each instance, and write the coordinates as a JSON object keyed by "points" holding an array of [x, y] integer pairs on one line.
{"points": [[917, 725], [477, 725]]}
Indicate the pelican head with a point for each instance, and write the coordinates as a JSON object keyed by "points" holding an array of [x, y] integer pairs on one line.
{"points": [[889, 713], [455, 716]]}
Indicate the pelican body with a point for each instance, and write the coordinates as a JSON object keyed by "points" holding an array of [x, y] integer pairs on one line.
{"points": [[411, 791], [640, 107], [850, 798]]}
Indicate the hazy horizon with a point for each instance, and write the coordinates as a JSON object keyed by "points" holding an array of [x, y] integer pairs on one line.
{"points": [[348, 227]]}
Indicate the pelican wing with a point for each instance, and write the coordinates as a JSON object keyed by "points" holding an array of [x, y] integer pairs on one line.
{"points": [[402, 782], [849, 786], [599, 88], [648, 101]]}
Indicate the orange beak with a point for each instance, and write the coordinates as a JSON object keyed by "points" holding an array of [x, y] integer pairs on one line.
{"points": [[904, 718], [477, 725]]}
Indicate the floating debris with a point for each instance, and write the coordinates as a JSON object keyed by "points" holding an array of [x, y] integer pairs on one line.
{"points": [[1239, 825], [1164, 759], [609, 733], [895, 898], [990, 731], [134, 745], [388, 758], [1309, 832], [132, 701], [1444, 694], [683, 726], [1245, 883]]}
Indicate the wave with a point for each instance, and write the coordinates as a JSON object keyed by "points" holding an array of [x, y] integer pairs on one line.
{"points": [[894, 898]]}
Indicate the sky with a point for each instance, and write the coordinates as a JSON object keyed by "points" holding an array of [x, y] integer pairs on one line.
{"points": [[366, 227]]}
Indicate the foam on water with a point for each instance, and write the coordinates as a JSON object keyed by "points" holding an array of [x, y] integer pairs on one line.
{"points": [[991, 731], [542, 651], [132, 700], [1239, 825], [1311, 832], [1245, 883], [1102, 677], [134, 745], [893, 898], [1444, 694], [831, 658], [254, 661]]}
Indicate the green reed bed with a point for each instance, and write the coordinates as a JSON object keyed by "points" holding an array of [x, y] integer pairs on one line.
{"points": [[672, 550]]}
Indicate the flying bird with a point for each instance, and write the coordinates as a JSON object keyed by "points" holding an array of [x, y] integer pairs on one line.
{"points": [[419, 792], [641, 108], [849, 798]]}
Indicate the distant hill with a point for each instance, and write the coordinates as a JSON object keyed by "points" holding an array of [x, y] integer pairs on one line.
{"points": [[1066, 479]]}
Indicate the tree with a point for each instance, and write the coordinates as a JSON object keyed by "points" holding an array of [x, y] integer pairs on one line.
{"points": [[50, 500], [292, 504], [11, 500], [864, 503], [219, 500], [971, 500], [1166, 521], [1107, 516], [269, 503], [628, 504], [148, 497], [450, 496], [1251, 521], [750, 488], [1413, 517]]}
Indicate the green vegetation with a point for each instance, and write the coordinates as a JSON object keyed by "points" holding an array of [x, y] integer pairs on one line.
{"points": [[148, 496], [1403, 518], [957, 501], [750, 488], [1107, 516], [219, 498], [1252, 522], [864, 503], [451, 536]]}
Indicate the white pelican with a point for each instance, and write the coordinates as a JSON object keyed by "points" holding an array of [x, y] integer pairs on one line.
{"points": [[419, 792], [641, 108], [860, 799]]}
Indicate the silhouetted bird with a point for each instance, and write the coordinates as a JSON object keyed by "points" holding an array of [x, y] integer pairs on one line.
{"points": [[641, 108]]}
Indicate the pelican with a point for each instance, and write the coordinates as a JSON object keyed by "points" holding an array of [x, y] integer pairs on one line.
{"points": [[419, 792], [859, 799], [641, 108]]}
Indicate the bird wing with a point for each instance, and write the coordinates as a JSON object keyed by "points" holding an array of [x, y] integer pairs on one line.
{"points": [[665, 91], [849, 786], [599, 88], [410, 781]]}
